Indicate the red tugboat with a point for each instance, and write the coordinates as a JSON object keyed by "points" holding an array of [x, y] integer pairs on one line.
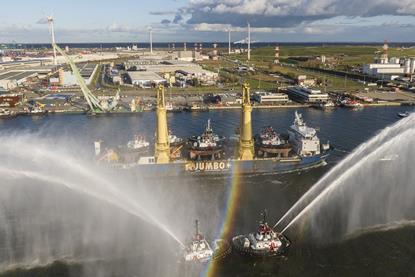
{"points": [[264, 243], [199, 250], [270, 144]]}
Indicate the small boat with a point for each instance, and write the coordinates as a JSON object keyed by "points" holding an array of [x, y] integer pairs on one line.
{"points": [[352, 104], [403, 115], [138, 144], [325, 105], [264, 243], [5, 113]]}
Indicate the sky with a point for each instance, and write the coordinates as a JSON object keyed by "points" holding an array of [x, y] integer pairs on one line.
{"points": [[78, 21]]}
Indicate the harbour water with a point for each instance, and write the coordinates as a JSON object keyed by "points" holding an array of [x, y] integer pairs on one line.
{"points": [[386, 252]]}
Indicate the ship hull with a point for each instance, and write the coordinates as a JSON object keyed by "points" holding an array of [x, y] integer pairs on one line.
{"points": [[227, 167]]}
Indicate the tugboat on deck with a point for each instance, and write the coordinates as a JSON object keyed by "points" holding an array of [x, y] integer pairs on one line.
{"points": [[270, 144], [199, 250], [138, 144], [264, 243], [208, 146]]}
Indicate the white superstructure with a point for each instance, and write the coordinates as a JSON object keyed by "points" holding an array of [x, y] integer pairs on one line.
{"points": [[304, 139]]}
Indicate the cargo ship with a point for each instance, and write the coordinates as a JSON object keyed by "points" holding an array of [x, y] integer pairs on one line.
{"points": [[206, 154]]}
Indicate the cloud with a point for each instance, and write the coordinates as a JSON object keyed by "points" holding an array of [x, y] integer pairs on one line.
{"points": [[165, 22], [162, 12], [118, 28], [177, 19], [43, 20], [288, 13]]}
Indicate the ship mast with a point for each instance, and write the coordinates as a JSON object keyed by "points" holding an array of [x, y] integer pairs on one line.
{"points": [[197, 228], [162, 149], [264, 216], [246, 144]]}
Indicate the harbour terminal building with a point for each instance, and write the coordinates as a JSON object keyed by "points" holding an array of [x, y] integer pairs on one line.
{"points": [[268, 98], [307, 95]]}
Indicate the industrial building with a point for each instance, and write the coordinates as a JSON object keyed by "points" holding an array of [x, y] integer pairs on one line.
{"points": [[268, 98], [145, 79], [182, 70], [386, 68], [67, 79], [307, 95], [12, 79], [202, 75]]}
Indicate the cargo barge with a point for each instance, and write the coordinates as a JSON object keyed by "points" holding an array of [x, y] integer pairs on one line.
{"points": [[206, 154]]}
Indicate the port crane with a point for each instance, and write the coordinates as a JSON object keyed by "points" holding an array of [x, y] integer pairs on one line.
{"points": [[96, 105]]}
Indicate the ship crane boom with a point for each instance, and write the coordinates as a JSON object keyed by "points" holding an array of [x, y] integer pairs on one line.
{"points": [[93, 102]]}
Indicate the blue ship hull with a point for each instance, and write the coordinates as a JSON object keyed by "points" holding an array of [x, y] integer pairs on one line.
{"points": [[227, 167]]}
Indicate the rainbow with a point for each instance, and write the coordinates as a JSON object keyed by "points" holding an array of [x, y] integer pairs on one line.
{"points": [[233, 196]]}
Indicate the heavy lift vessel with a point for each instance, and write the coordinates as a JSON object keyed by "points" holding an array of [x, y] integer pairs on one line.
{"points": [[307, 151]]}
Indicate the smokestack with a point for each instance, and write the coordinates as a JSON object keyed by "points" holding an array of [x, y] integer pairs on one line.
{"points": [[52, 32], [277, 55], [215, 52]]}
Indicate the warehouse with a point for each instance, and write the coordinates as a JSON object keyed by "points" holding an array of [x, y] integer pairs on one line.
{"points": [[11, 79], [145, 79]]}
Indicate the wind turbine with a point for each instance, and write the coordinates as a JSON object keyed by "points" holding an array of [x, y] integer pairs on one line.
{"points": [[249, 41], [52, 32], [150, 30], [229, 40]]}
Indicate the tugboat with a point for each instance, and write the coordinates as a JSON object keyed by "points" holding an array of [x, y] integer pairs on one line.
{"points": [[138, 144], [175, 140], [270, 144], [264, 243], [127, 153], [199, 250], [208, 146]]}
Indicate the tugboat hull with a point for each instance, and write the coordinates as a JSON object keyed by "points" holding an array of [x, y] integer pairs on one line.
{"points": [[237, 244]]}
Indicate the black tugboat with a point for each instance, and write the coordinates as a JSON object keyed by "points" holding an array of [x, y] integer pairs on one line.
{"points": [[199, 250], [207, 146], [270, 144], [264, 243]]}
